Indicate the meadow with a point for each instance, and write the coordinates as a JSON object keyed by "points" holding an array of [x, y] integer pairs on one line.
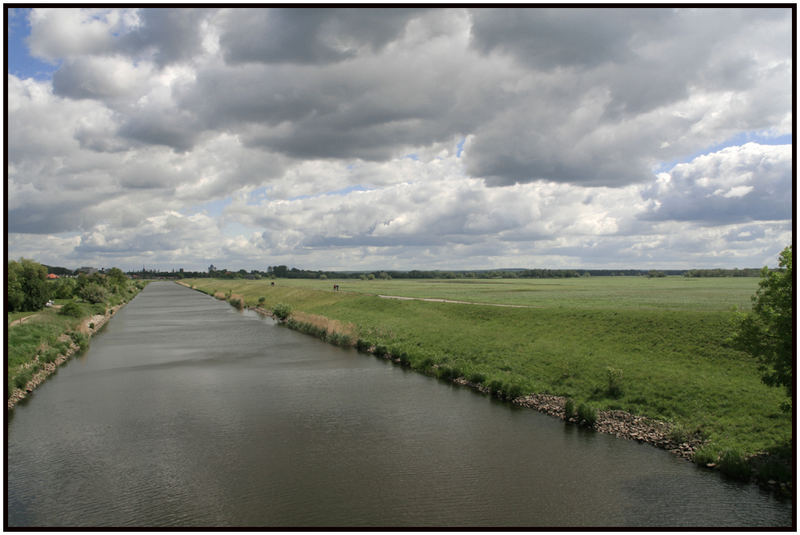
{"points": [[665, 339]]}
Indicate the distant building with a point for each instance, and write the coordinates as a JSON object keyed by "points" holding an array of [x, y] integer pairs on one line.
{"points": [[52, 276]]}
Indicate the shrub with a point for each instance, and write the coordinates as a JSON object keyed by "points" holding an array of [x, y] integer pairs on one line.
{"points": [[91, 325], [733, 464], [614, 377], [512, 391], [80, 339], [22, 378], [476, 378], [281, 311], [362, 345], [774, 469], [445, 373], [72, 309], [236, 302], [403, 358], [261, 300], [340, 339], [50, 355], [569, 409], [380, 351], [495, 386], [426, 365], [587, 415], [705, 455], [92, 292]]}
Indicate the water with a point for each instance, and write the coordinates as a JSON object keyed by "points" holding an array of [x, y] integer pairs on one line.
{"points": [[185, 412]]}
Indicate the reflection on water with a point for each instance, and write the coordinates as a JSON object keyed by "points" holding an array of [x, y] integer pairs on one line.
{"points": [[185, 412]]}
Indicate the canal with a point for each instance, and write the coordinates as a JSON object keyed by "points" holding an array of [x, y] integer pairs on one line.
{"points": [[187, 412]]}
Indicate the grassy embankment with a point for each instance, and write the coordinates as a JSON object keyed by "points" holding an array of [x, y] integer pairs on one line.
{"points": [[50, 333], [665, 337]]}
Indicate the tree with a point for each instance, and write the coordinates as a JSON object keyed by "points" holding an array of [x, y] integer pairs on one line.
{"points": [[27, 285], [116, 277], [92, 292], [767, 331]]}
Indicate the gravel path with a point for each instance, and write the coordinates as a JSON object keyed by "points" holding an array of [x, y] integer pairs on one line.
{"points": [[434, 300]]}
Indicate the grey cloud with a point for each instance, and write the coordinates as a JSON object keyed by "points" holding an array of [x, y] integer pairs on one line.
{"points": [[549, 38], [171, 35], [307, 36], [172, 128], [89, 78]]}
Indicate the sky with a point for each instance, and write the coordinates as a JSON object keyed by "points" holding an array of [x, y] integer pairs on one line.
{"points": [[404, 138]]}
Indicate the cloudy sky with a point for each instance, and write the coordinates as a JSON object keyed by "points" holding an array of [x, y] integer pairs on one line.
{"points": [[399, 138]]}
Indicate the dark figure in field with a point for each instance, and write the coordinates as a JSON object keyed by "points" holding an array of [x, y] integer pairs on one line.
{"points": [[335, 287], [272, 283]]}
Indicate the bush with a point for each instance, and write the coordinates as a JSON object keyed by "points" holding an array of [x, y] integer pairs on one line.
{"points": [[22, 378], [512, 391], [261, 300], [50, 355], [495, 386], [236, 302], [445, 373], [704, 456], [281, 311], [80, 339], [614, 377], [92, 292], [587, 415], [339, 339], [362, 345], [733, 464], [91, 325], [569, 409], [775, 470], [476, 378], [381, 351], [72, 309], [425, 366], [403, 358]]}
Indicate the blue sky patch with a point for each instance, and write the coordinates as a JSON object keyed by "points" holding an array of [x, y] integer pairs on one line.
{"points": [[20, 62], [735, 141]]}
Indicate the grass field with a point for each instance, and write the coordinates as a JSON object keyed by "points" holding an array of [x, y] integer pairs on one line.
{"points": [[667, 337]]}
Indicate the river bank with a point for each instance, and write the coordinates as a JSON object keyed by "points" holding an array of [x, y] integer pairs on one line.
{"points": [[492, 352], [88, 327]]}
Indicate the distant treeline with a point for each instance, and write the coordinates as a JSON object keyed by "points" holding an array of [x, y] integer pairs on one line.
{"points": [[285, 272], [746, 272]]}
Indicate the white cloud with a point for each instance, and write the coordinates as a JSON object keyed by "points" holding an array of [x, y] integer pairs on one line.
{"points": [[335, 146]]}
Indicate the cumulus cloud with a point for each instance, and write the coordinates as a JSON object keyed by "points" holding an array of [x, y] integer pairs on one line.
{"points": [[378, 137], [751, 182]]}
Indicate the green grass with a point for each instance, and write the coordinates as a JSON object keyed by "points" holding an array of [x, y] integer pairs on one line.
{"points": [[40, 334], [666, 338]]}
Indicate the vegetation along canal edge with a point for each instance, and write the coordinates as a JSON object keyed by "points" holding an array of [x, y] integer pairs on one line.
{"points": [[755, 468], [45, 359]]}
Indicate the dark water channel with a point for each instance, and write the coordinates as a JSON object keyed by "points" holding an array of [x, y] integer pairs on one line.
{"points": [[185, 412]]}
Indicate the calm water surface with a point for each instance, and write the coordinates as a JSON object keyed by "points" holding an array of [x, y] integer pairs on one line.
{"points": [[185, 412]]}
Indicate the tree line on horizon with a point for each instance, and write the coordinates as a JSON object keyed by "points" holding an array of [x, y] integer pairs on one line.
{"points": [[284, 272]]}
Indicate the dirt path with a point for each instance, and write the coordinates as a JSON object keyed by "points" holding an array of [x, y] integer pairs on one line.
{"points": [[434, 300], [26, 318]]}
